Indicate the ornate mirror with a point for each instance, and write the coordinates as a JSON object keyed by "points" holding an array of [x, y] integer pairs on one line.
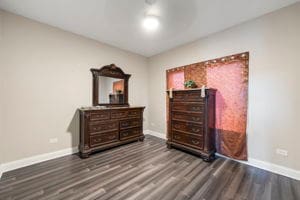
{"points": [[110, 86]]}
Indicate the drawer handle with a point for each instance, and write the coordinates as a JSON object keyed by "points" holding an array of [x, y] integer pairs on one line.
{"points": [[125, 124], [112, 126], [98, 140], [111, 137], [125, 134], [133, 113], [177, 126], [98, 116], [178, 116], [196, 118], [177, 137], [195, 142], [196, 108], [195, 129]]}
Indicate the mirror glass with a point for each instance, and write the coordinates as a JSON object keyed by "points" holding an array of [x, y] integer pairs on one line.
{"points": [[111, 90]]}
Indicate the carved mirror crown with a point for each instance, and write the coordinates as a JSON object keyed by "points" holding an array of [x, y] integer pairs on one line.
{"points": [[110, 86]]}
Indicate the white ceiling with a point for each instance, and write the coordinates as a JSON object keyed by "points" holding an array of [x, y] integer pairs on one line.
{"points": [[118, 22]]}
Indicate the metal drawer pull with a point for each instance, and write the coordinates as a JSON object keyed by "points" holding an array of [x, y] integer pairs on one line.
{"points": [[177, 137], [195, 129], [195, 142], [125, 134], [177, 126], [100, 116], [196, 118], [98, 140], [112, 137]]}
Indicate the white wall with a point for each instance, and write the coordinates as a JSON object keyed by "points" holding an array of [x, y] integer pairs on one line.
{"points": [[1, 95], [46, 77], [273, 114]]}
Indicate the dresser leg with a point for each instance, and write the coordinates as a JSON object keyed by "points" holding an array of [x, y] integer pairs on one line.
{"points": [[209, 158], [84, 155], [141, 139], [169, 146]]}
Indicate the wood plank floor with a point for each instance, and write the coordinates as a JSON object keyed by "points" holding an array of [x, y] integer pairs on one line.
{"points": [[144, 170]]}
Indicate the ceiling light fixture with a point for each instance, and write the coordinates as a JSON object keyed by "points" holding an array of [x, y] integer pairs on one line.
{"points": [[150, 22]]}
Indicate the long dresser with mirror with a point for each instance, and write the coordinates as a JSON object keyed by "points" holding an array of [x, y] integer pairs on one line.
{"points": [[110, 121]]}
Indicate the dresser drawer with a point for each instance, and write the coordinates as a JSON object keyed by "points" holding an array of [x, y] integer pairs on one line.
{"points": [[196, 118], [188, 96], [188, 127], [116, 114], [188, 107], [96, 140], [188, 140], [128, 133], [101, 115], [134, 113], [193, 141], [178, 137], [130, 123], [100, 127]]}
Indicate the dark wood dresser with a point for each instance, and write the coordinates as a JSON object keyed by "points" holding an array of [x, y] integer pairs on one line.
{"points": [[102, 128], [191, 122]]}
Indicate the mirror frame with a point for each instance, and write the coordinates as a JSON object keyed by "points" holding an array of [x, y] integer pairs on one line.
{"points": [[109, 71]]}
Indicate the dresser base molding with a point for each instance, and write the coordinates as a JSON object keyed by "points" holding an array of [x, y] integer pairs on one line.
{"points": [[206, 156]]}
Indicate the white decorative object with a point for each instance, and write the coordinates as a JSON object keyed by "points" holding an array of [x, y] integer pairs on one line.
{"points": [[171, 93], [203, 91]]}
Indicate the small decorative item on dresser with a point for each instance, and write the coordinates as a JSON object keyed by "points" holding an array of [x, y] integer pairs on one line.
{"points": [[190, 84], [191, 122]]}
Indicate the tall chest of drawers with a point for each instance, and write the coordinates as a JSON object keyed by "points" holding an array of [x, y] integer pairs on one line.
{"points": [[191, 122], [105, 128]]}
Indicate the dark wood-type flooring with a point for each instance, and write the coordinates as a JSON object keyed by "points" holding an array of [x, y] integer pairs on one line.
{"points": [[144, 170]]}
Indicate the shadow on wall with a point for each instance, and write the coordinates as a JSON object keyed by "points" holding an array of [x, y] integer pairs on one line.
{"points": [[73, 129]]}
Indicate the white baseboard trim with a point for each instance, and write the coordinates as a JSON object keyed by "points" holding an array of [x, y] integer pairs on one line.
{"points": [[277, 169], [36, 159], [1, 171], [156, 134]]}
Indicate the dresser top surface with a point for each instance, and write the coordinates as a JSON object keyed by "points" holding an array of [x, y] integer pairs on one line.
{"points": [[91, 108]]}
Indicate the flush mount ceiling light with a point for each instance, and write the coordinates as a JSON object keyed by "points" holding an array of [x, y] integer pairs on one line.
{"points": [[150, 22]]}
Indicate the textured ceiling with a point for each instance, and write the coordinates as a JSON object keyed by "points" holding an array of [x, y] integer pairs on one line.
{"points": [[118, 22]]}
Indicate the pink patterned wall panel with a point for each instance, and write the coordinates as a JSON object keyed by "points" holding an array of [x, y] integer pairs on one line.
{"points": [[231, 107], [175, 79]]}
